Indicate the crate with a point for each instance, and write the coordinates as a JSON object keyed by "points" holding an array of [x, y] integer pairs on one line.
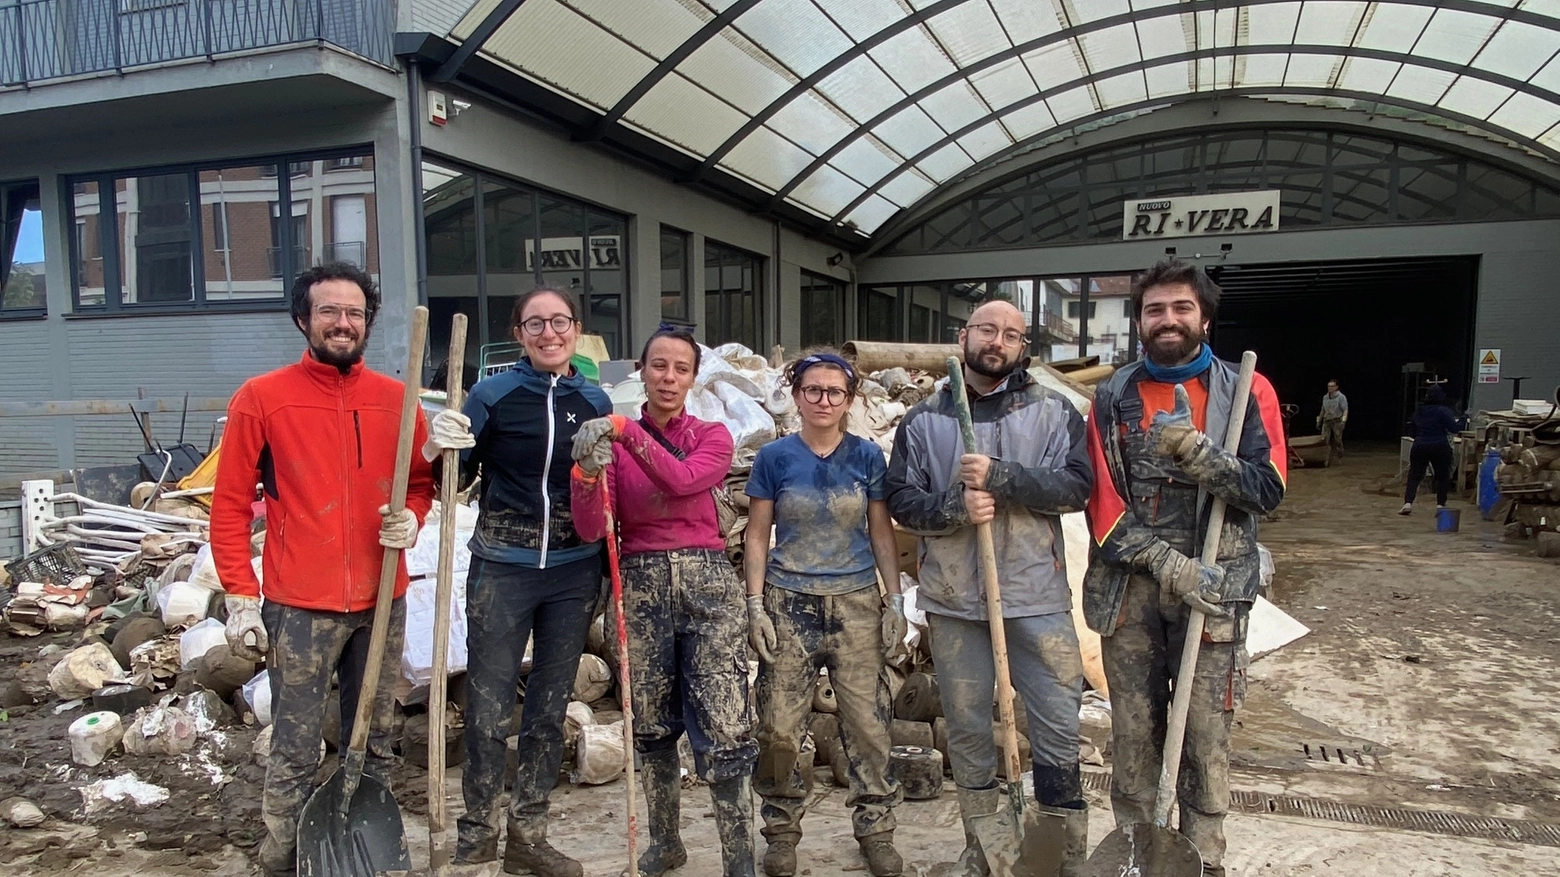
{"points": [[55, 564]]}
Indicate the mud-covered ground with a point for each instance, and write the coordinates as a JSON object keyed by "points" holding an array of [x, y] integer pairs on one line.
{"points": [[1433, 656]]}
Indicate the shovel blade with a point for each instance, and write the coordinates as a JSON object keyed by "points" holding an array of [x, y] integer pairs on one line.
{"points": [[1143, 850], [1028, 848], [368, 839]]}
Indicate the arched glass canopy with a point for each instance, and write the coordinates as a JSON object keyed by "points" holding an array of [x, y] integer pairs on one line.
{"points": [[851, 111]]}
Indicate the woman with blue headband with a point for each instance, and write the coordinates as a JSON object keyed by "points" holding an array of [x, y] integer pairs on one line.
{"points": [[813, 603]]}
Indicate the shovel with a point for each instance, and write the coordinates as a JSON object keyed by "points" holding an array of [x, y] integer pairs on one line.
{"points": [[1155, 849], [624, 683], [1017, 841], [351, 826]]}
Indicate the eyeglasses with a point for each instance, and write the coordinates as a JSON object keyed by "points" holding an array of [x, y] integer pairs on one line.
{"points": [[835, 395], [333, 313], [536, 325], [988, 331]]}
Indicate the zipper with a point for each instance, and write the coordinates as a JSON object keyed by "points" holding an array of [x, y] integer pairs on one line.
{"points": [[349, 489], [552, 424], [357, 427]]}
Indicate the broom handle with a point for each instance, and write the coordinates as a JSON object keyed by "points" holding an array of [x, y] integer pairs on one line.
{"points": [[438, 693], [625, 685]]}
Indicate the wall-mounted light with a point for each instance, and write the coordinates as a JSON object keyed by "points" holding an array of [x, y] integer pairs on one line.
{"points": [[835, 259], [1169, 251]]}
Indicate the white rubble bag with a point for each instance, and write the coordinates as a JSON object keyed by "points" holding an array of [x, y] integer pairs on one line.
{"points": [[598, 754], [1076, 538], [417, 650]]}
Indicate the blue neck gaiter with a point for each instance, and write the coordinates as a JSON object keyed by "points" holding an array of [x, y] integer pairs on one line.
{"points": [[1176, 374]]}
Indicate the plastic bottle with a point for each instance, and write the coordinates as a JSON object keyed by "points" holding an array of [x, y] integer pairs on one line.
{"points": [[93, 736]]}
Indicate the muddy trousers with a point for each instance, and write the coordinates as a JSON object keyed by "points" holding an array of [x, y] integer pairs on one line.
{"points": [[842, 634], [1141, 660], [1047, 673], [307, 649], [1332, 433], [507, 604], [687, 649]]}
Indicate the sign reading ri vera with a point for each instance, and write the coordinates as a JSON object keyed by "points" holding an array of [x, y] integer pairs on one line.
{"points": [[1189, 215]]}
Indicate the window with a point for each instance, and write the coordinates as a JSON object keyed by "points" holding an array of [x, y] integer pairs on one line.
{"points": [[878, 319], [732, 284], [674, 274], [1073, 308], [920, 324], [823, 310], [214, 234], [21, 250], [1126, 308]]}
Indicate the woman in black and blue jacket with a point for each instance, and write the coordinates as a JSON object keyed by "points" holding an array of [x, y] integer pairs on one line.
{"points": [[531, 576]]}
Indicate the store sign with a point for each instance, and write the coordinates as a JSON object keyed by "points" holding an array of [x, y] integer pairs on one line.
{"points": [[1489, 365], [604, 252], [1191, 215]]}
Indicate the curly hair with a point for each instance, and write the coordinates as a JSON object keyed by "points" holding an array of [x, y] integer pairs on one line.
{"points": [[302, 307]]}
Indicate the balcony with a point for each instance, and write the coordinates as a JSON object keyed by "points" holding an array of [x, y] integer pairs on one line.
{"points": [[48, 39], [300, 260]]}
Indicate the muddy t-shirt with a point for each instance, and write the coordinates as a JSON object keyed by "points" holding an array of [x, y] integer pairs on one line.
{"points": [[821, 543]]}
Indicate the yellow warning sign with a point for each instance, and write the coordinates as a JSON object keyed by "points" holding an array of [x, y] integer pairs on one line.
{"points": [[1489, 365], [1490, 358]]}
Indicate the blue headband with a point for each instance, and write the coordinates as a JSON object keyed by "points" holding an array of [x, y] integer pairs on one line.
{"points": [[820, 358]]}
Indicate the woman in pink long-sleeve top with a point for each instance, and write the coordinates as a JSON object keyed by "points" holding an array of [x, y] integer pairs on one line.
{"points": [[681, 596]]}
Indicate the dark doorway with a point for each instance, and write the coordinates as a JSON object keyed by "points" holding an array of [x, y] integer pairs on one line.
{"points": [[1359, 322]]}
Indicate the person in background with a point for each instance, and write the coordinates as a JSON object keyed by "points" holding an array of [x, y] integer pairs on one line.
{"points": [[1332, 419], [682, 600], [1432, 426], [1029, 467], [531, 577], [813, 603], [320, 438]]}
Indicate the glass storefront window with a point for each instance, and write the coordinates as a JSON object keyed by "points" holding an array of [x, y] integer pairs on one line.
{"points": [[1112, 336], [732, 285], [823, 310], [1058, 324], [239, 233], [878, 320], [605, 286], [674, 274], [153, 223]]}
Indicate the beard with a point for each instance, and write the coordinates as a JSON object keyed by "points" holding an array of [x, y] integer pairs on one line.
{"points": [[324, 353], [1189, 342], [990, 362]]}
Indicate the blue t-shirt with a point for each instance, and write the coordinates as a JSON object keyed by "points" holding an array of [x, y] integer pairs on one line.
{"points": [[821, 543]]}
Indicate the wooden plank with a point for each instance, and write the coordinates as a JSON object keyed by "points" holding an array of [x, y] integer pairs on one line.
{"points": [[75, 407]]}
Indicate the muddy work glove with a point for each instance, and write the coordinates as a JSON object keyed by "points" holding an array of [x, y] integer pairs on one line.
{"points": [[1199, 585], [245, 631], [397, 529], [894, 626], [1172, 433], [447, 431], [761, 630], [593, 443]]}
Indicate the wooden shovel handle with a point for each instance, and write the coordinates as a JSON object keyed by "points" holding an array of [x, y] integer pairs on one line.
{"points": [[1175, 729], [438, 690]]}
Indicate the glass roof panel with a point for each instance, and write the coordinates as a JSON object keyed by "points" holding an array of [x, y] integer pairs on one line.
{"points": [[746, 78], [686, 115], [1004, 83], [872, 213], [867, 160], [656, 26], [547, 40], [1169, 79], [1028, 121], [1095, 10], [1367, 74], [826, 190], [1455, 36], [1054, 65], [1328, 22], [796, 32], [1527, 115], [906, 188], [968, 32], [767, 159], [862, 18], [1306, 71], [1074, 103], [1118, 91], [912, 59], [908, 131], [945, 163], [860, 88], [985, 140], [1475, 97], [472, 18], [1518, 50], [1164, 35], [811, 123], [1026, 20], [1420, 84], [954, 106], [1254, 71], [1394, 27], [1271, 25], [1110, 47]]}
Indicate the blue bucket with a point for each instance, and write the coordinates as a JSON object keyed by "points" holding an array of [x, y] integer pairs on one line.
{"points": [[1447, 520]]}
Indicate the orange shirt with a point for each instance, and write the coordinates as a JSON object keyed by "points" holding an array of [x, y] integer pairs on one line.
{"points": [[1159, 397]]}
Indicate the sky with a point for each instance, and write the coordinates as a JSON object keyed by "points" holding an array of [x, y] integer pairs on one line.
{"points": [[29, 243]]}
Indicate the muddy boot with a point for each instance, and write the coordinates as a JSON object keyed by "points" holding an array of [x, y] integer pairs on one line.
{"points": [[662, 777], [780, 857], [882, 859], [733, 801], [973, 803], [476, 851], [277, 860], [1076, 831], [528, 852]]}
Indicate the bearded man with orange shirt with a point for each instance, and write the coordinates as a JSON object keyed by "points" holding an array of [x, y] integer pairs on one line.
{"points": [[1156, 442]]}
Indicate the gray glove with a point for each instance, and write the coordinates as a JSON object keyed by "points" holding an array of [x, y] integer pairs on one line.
{"points": [[894, 626], [245, 631], [1198, 584], [761, 629], [397, 529], [593, 443]]}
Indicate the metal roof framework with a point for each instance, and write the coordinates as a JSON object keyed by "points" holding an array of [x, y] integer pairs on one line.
{"points": [[842, 114]]}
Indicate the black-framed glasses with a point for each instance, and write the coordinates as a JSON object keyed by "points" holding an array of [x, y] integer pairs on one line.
{"points": [[536, 325], [987, 331], [835, 395]]}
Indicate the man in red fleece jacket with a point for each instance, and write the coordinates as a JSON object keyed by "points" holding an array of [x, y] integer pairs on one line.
{"points": [[319, 436]]}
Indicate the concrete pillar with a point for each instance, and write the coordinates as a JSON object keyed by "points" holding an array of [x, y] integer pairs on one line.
{"points": [[395, 208], [644, 283], [696, 286]]}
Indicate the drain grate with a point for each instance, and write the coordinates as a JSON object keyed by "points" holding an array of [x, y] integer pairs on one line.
{"points": [[1431, 821]]}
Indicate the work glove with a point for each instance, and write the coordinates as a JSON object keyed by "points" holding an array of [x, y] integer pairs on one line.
{"points": [[761, 630], [1198, 584], [449, 430], [894, 626], [1171, 433], [1318, 422], [397, 529], [245, 631], [593, 442]]}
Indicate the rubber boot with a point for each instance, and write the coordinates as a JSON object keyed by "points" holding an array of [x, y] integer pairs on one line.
{"points": [[882, 859], [780, 857], [973, 803], [476, 852], [733, 799], [1076, 832], [528, 852], [662, 779]]}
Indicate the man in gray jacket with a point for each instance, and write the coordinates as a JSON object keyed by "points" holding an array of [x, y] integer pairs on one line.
{"points": [[1031, 467]]}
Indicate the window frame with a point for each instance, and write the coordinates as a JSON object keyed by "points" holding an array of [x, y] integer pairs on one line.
{"points": [[685, 294], [731, 256], [812, 284], [108, 231], [9, 189]]}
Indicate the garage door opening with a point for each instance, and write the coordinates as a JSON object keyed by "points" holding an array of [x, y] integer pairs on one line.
{"points": [[1359, 322]]}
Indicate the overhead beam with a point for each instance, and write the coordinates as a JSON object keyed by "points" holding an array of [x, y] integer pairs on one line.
{"points": [[476, 40]]}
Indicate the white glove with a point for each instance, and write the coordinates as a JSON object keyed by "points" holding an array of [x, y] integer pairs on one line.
{"points": [[894, 626], [245, 631], [597, 457], [761, 630], [397, 529], [449, 430]]}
